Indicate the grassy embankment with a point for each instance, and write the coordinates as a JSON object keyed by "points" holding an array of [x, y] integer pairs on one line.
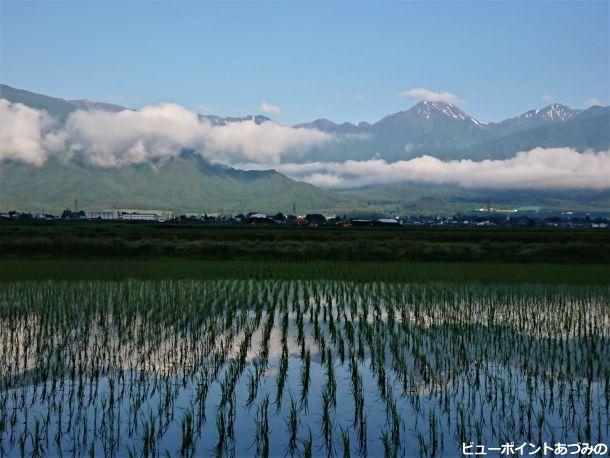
{"points": [[67, 250]]}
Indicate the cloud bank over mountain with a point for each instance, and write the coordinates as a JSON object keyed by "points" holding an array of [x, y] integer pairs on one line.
{"points": [[133, 137], [266, 142], [158, 133], [26, 134], [539, 168], [154, 133]]}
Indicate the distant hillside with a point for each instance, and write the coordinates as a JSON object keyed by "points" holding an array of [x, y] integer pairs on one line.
{"points": [[60, 108], [188, 184], [420, 198], [85, 104]]}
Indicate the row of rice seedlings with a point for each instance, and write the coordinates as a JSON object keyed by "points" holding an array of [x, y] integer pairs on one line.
{"points": [[283, 366], [292, 426], [262, 427], [92, 366]]}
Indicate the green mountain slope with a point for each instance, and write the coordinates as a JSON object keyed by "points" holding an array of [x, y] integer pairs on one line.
{"points": [[59, 108], [186, 184]]}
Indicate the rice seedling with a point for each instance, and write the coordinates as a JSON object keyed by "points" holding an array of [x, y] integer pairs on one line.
{"points": [[326, 420], [292, 425], [186, 446], [262, 428], [221, 428], [305, 379], [308, 445], [362, 438], [253, 382], [283, 366], [345, 442], [388, 449], [331, 382]]}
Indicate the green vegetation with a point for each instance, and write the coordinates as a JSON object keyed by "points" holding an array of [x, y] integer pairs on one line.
{"points": [[113, 251], [187, 183], [113, 240]]}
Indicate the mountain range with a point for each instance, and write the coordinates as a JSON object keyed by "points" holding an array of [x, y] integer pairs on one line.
{"points": [[445, 131], [188, 182]]}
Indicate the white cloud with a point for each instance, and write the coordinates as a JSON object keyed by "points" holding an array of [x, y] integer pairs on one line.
{"points": [[423, 94], [593, 102], [546, 98], [270, 109], [338, 97], [202, 108], [26, 134], [540, 168], [325, 180], [159, 132], [359, 97], [153, 134], [266, 142]]}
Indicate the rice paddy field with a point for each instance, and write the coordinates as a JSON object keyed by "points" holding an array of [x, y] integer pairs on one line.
{"points": [[299, 367]]}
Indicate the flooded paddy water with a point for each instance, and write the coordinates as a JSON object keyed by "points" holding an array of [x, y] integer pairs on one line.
{"points": [[304, 368]]}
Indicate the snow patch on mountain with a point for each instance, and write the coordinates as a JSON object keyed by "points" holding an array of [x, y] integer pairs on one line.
{"points": [[428, 109]]}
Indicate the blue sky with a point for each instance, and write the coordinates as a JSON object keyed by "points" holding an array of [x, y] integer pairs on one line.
{"points": [[343, 61]]}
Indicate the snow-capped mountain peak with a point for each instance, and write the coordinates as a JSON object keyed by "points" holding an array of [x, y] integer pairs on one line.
{"points": [[559, 112], [554, 112], [429, 109]]}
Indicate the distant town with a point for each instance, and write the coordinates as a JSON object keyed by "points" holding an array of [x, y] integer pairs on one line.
{"points": [[479, 217]]}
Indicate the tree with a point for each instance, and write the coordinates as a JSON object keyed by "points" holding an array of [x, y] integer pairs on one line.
{"points": [[315, 218]]}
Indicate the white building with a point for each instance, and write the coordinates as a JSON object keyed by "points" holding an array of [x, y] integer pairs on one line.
{"points": [[139, 217], [102, 214], [388, 221]]}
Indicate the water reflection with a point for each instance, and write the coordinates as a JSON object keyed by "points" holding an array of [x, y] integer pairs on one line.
{"points": [[243, 367]]}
